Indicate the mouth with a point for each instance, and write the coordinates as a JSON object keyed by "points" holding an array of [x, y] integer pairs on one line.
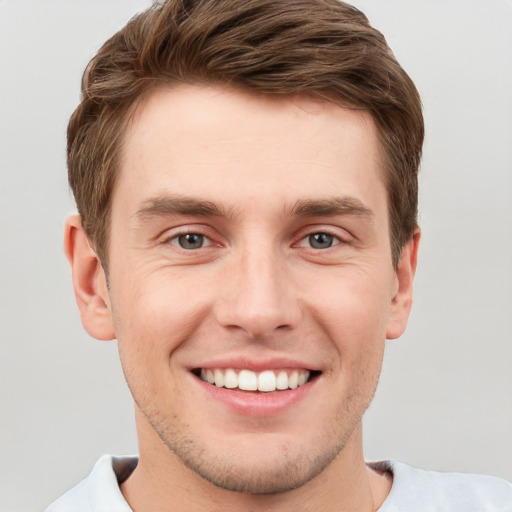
{"points": [[266, 381]]}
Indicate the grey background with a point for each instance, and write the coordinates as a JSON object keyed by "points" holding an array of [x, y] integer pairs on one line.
{"points": [[444, 400]]}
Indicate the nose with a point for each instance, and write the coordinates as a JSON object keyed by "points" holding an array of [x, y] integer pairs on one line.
{"points": [[258, 295]]}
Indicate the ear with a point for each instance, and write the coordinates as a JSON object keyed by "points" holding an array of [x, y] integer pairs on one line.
{"points": [[401, 303], [89, 281]]}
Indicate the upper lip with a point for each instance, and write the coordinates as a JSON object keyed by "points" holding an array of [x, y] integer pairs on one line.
{"points": [[256, 364]]}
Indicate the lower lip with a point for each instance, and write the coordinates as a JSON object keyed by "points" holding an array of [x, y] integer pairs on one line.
{"points": [[257, 404]]}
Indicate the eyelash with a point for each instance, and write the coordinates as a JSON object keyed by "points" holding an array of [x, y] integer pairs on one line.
{"points": [[334, 240], [308, 237], [175, 239]]}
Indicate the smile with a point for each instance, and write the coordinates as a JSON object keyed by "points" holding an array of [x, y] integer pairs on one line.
{"points": [[247, 380]]}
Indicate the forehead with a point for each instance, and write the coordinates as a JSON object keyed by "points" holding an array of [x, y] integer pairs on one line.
{"points": [[192, 140]]}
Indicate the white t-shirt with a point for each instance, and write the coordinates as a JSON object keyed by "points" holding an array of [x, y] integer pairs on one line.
{"points": [[413, 490]]}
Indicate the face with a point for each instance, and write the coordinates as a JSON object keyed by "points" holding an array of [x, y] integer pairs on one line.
{"points": [[251, 286]]}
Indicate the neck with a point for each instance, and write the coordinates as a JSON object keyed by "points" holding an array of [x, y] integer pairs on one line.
{"points": [[162, 482]]}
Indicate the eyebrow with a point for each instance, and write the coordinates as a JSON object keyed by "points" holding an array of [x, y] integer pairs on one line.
{"points": [[162, 206], [331, 206], [178, 205]]}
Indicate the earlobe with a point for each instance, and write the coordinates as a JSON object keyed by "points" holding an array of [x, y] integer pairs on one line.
{"points": [[89, 281], [401, 302]]}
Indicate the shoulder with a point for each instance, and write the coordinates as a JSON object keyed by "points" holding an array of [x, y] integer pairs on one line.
{"points": [[418, 489], [99, 492]]}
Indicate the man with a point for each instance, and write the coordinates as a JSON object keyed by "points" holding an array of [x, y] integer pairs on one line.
{"points": [[246, 177]]}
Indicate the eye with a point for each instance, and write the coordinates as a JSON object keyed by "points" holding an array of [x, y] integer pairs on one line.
{"points": [[190, 241], [321, 240]]}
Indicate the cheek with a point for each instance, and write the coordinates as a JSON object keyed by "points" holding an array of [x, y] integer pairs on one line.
{"points": [[353, 307], [154, 315]]}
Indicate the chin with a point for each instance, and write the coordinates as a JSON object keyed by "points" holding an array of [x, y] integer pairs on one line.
{"points": [[267, 475], [263, 464]]}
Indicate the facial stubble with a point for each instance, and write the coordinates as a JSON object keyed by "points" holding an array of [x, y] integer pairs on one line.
{"points": [[289, 468]]}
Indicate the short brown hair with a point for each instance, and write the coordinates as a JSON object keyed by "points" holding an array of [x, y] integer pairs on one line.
{"points": [[281, 47]]}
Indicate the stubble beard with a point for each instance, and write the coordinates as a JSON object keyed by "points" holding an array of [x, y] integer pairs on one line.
{"points": [[286, 470], [283, 472]]}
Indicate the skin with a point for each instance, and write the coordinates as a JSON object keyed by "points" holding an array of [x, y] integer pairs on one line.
{"points": [[257, 291]]}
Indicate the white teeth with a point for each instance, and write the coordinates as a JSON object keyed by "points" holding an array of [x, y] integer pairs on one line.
{"points": [[231, 379], [247, 380], [267, 381], [293, 380], [303, 378], [282, 380], [219, 378]]}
